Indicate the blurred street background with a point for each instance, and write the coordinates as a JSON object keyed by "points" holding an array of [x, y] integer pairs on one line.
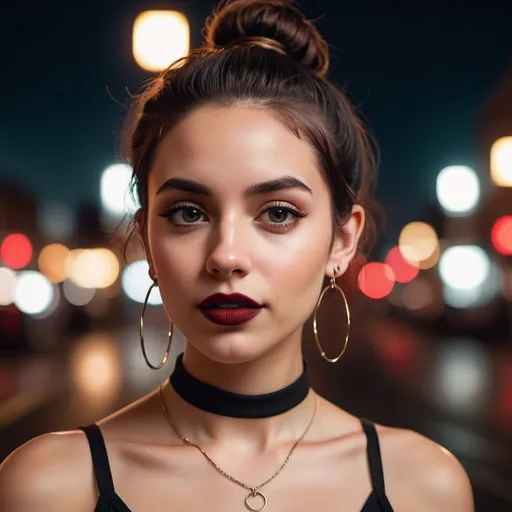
{"points": [[430, 347]]}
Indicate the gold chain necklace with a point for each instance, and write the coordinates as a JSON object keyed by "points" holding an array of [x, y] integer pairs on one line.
{"points": [[255, 491]]}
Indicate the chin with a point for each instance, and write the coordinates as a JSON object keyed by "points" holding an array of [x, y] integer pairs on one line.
{"points": [[234, 348]]}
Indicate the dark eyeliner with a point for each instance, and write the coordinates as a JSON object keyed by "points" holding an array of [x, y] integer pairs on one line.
{"points": [[287, 208], [167, 212]]}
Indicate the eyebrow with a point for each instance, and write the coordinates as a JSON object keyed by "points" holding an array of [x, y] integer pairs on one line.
{"points": [[281, 183]]}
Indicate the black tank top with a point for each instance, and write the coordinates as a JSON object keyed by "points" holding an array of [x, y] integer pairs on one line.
{"points": [[109, 501]]}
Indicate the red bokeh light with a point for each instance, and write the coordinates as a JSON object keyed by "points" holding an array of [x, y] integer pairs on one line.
{"points": [[16, 251], [403, 270], [501, 235], [376, 280]]}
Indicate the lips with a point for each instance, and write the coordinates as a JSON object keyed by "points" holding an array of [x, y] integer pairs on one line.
{"points": [[231, 310], [228, 301]]}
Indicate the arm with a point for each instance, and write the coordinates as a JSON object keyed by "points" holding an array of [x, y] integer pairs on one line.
{"points": [[50, 473]]}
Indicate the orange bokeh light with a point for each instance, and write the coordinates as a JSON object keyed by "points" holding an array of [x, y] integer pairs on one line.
{"points": [[403, 270], [501, 235], [52, 262], [376, 280], [16, 251]]}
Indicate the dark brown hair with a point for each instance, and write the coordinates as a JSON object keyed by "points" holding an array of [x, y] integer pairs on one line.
{"points": [[289, 81]]}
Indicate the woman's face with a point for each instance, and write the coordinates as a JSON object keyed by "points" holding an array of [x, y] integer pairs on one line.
{"points": [[212, 228]]}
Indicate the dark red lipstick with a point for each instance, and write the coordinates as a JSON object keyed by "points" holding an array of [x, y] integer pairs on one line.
{"points": [[229, 309]]}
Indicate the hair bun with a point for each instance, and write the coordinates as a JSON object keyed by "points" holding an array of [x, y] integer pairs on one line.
{"points": [[276, 20]]}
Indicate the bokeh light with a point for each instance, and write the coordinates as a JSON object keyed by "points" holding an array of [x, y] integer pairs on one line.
{"points": [[115, 190], [403, 270], [52, 262], [470, 279], [376, 280], [501, 162], [462, 377], [501, 235], [433, 260], [458, 189], [93, 268], [418, 294], [77, 295], [478, 296], [33, 292], [418, 244], [136, 282], [16, 251], [7, 279], [96, 369], [50, 309], [464, 267], [160, 38]]}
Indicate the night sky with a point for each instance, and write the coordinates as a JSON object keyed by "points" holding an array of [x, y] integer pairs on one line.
{"points": [[420, 75]]}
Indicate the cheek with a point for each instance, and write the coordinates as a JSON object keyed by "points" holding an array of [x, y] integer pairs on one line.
{"points": [[296, 271], [174, 271]]}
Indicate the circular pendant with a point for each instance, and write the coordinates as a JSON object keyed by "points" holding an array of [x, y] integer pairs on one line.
{"points": [[253, 495]]}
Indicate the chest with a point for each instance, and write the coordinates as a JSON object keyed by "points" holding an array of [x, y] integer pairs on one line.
{"points": [[302, 486], [219, 499]]}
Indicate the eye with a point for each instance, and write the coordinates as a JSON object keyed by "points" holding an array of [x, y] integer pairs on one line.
{"points": [[278, 214], [182, 215]]}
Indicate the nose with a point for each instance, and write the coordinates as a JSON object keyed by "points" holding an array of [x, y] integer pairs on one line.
{"points": [[230, 246]]}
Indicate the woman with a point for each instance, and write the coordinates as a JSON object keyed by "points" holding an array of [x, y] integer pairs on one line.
{"points": [[251, 169]]}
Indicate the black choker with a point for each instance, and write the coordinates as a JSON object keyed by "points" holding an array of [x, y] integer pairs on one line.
{"points": [[225, 403]]}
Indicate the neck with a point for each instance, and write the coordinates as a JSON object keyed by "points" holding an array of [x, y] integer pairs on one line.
{"points": [[252, 378], [266, 374]]}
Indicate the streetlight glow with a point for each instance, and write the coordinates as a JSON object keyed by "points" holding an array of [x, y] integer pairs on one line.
{"points": [[160, 38], [501, 162]]}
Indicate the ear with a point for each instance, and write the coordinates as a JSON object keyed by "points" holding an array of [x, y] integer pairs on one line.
{"points": [[140, 222], [345, 243]]}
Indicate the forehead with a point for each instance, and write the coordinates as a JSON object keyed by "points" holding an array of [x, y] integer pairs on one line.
{"points": [[233, 145]]}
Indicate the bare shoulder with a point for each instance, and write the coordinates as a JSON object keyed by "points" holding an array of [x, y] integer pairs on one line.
{"points": [[52, 472], [421, 474]]}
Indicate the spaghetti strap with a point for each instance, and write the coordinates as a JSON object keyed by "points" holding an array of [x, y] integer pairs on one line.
{"points": [[374, 455], [99, 458]]}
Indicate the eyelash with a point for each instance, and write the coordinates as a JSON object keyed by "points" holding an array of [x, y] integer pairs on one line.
{"points": [[278, 206]]}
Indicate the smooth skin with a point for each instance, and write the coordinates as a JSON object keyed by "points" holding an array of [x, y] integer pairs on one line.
{"points": [[233, 241]]}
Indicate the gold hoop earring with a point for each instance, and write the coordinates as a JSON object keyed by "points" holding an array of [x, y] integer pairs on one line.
{"points": [[166, 356], [332, 285]]}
